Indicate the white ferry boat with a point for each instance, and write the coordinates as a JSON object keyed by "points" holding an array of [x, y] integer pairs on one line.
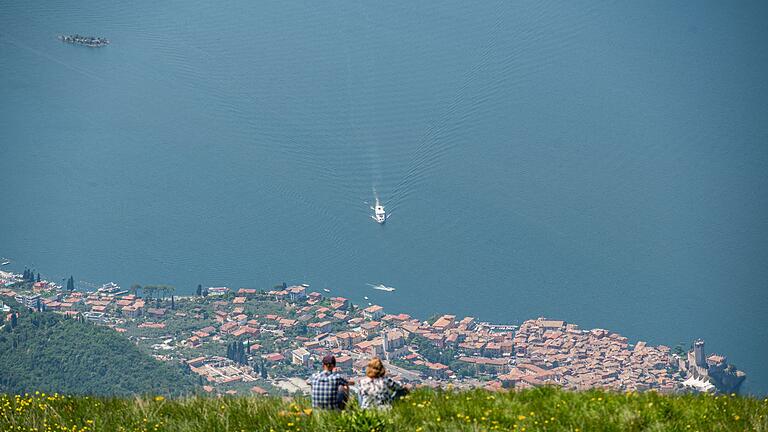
{"points": [[379, 214], [109, 288]]}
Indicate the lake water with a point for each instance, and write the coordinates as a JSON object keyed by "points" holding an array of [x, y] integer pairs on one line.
{"points": [[603, 164]]}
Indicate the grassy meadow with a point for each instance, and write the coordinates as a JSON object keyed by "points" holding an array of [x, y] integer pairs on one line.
{"points": [[544, 409]]}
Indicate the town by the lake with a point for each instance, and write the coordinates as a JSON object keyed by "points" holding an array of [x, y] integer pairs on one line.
{"points": [[268, 341]]}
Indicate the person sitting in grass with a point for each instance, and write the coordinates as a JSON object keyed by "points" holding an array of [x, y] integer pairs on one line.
{"points": [[330, 390], [376, 390]]}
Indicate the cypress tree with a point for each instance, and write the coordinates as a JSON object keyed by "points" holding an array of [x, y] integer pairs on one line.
{"points": [[14, 321], [199, 290], [38, 277]]}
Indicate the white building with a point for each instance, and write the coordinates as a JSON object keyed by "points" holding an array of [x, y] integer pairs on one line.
{"points": [[373, 313], [300, 357], [217, 291]]}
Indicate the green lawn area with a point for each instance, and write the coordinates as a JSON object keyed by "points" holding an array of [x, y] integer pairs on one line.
{"points": [[545, 409]]}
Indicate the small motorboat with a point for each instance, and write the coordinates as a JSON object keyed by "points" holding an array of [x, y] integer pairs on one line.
{"points": [[382, 287]]}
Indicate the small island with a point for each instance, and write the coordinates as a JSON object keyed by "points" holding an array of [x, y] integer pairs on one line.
{"points": [[89, 41]]}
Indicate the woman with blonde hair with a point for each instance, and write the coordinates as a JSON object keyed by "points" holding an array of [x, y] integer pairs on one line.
{"points": [[376, 390]]}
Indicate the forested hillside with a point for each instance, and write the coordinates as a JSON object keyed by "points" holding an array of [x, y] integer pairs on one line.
{"points": [[46, 352]]}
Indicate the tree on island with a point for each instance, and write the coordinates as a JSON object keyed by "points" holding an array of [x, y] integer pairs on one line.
{"points": [[71, 284], [38, 277]]}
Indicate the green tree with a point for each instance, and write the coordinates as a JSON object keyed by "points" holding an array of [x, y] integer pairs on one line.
{"points": [[149, 291]]}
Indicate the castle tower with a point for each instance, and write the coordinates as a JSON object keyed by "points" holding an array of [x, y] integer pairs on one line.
{"points": [[698, 353]]}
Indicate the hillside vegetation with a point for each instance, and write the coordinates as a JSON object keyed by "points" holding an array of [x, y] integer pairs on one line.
{"points": [[543, 409], [47, 352]]}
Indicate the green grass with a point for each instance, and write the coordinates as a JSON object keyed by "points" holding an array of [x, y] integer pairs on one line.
{"points": [[544, 409]]}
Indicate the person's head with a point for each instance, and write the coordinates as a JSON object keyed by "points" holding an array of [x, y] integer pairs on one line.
{"points": [[375, 368], [329, 362]]}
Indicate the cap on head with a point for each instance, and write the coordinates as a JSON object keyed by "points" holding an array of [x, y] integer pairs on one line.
{"points": [[329, 360]]}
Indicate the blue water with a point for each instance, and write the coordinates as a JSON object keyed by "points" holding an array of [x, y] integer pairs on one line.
{"points": [[603, 164]]}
